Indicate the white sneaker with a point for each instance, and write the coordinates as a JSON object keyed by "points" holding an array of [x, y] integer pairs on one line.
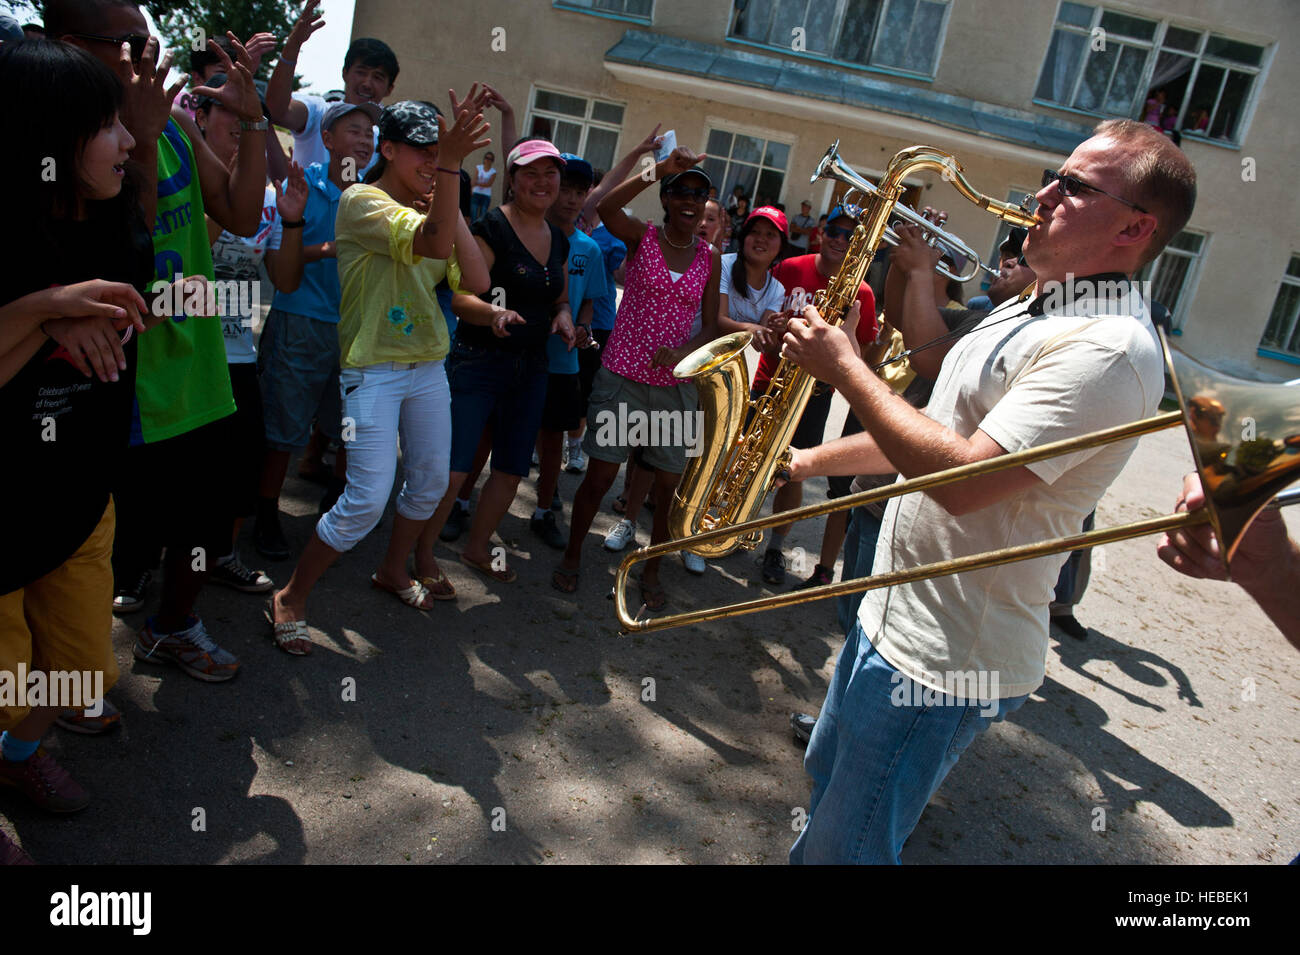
{"points": [[624, 533], [694, 562], [577, 462]]}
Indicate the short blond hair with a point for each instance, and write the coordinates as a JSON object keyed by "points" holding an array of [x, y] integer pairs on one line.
{"points": [[1159, 177]]}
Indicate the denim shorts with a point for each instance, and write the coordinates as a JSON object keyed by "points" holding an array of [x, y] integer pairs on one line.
{"points": [[298, 361], [501, 390]]}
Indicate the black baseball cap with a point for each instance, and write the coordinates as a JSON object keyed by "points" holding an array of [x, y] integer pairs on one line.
{"points": [[1012, 243], [409, 121], [669, 181]]}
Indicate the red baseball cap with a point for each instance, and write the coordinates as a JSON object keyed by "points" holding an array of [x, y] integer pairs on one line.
{"points": [[773, 215]]}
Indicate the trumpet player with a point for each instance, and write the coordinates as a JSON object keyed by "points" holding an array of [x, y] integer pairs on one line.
{"points": [[931, 664]]}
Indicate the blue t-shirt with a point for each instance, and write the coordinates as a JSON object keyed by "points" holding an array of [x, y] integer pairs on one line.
{"points": [[614, 251], [586, 282], [318, 295]]}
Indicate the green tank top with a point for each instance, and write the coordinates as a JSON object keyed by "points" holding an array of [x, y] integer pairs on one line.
{"points": [[182, 382]]}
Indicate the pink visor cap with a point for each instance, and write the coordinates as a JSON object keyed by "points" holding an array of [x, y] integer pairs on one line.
{"points": [[533, 150]]}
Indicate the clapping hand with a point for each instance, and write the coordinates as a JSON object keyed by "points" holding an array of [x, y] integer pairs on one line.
{"points": [[238, 94], [291, 195]]}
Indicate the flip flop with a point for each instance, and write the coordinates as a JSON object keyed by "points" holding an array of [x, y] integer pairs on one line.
{"points": [[507, 576], [439, 587], [560, 574], [291, 631], [413, 596]]}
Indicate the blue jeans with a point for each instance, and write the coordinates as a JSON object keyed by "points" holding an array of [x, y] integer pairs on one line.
{"points": [[859, 555], [875, 764], [501, 389], [478, 206]]}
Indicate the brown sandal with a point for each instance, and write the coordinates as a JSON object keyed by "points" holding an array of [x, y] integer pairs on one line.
{"points": [[507, 576]]}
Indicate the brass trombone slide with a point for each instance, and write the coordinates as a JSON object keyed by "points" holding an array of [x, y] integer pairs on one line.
{"points": [[1171, 419]]}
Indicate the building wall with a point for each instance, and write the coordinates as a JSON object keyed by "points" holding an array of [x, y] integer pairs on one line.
{"points": [[993, 51]]}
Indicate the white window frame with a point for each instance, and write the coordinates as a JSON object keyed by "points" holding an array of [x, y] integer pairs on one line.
{"points": [[586, 122], [1191, 279], [723, 125], [1290, 327], [1154, 47], [837, 19]]}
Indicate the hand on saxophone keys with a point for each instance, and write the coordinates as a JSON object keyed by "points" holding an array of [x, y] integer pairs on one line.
{"points": [[824, 351]]}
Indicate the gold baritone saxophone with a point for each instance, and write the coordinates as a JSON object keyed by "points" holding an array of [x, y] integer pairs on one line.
{"points": [[727, 482]]}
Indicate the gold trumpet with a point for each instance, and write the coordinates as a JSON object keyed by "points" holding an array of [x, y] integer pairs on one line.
{"points": [[1245, 439]]}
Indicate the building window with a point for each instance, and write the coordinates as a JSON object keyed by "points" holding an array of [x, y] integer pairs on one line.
{"points": [[1116, 64], [1283, 330], [632, 9], [1173, 274], [585, 127], [756, 165], [894, 34]]}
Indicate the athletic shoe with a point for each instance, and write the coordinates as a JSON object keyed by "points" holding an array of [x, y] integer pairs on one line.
{"points": [[577, 462], [192, 650], [694, 562], [774, 567], [624, 533], [546, 528], [1067, 623], [457, 521], [802, 724], [231, 572], [268, 537], [130, 598], [11, 853], [44, 782], [821, 575]]}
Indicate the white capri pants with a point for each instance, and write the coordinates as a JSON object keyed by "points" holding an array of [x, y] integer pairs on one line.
{"points": [[386, 404]]}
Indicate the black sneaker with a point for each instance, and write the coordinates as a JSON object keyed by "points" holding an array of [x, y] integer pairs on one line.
{"points": [[232, 573], [457, 521], [556, 504], [268, 537], [549, 531], [774, 567], [130, 598], [802, 724], [821, 575], [1069, 625]]}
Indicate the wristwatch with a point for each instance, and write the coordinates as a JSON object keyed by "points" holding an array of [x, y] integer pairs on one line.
{"points": [[260, 126]]}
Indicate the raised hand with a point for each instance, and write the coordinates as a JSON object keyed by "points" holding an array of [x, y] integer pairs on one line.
{"points": [[238, 94], [291, 195], [651, 143], [258, 45], [464, 136], [497, 101], [308, 22], [680, 160], [146, 99]]}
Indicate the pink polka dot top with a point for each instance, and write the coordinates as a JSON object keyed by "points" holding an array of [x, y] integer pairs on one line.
{"points": [[655, 312]]}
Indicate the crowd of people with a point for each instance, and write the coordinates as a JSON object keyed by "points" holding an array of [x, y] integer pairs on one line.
{"points": [[411, 315]]}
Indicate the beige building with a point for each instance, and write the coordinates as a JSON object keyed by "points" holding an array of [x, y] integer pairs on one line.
{"points": [[1009, 87]]}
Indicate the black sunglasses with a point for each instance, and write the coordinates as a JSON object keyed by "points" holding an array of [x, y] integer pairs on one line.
{"points": [[1070, 186], [686, 192], [837, 232], [135, 40]]}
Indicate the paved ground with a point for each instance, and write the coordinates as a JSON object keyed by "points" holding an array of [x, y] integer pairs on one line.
{"points": [[511, 725]]}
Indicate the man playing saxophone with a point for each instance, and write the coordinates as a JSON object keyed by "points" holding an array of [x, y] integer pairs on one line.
{"points": [[931, 664]]}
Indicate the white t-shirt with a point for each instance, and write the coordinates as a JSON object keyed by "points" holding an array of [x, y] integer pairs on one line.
{"points": [[483, 179], [1025, 382], [236, 258], [308, 147], [751, 308]]}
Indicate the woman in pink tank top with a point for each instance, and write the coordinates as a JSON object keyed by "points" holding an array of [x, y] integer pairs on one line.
{"points": [[671, 275]]}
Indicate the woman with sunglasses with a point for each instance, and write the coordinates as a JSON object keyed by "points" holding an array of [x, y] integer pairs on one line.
{"points": [[672, 274]]}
